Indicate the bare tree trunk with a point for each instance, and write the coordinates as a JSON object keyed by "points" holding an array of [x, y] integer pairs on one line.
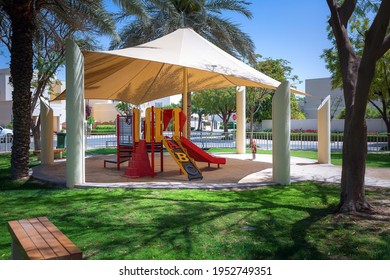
{"points": [[200, 122], [352, 196], [225, 121], [212, 123]]}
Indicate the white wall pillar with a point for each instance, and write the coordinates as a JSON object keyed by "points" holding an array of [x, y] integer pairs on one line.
{"points": [[241, 119], [46, 115], [75, 115], [323, 112], [281, 134]]}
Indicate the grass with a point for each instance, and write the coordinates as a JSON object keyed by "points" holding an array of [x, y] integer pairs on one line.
{"points": [[278, 222]]}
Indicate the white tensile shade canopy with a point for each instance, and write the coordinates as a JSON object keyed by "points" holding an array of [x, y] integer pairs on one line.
{"points": [[179, 62]]}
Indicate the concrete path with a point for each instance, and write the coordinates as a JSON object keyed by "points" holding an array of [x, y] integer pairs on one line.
{"points": [[303, 169]]}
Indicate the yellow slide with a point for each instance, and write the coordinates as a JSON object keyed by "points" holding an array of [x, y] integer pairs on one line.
{"points": [[180, 155]]}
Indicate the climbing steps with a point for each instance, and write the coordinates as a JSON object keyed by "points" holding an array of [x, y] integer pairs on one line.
{"points": [[139, 165]]}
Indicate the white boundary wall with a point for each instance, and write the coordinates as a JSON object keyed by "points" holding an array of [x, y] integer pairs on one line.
{"points": [[373, 125]]}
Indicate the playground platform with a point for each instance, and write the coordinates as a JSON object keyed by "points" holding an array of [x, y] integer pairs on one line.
{"points": [[239, 172]]}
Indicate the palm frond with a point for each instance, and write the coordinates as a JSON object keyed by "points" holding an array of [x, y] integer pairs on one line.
{"points": [[218, 6], [204, 16]]}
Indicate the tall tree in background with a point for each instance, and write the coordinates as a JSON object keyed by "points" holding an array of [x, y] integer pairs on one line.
{"points": [[221, 102], [25, 19], [203, 16], [199, 106], [357, 73], [258, 98], [379, 96]]}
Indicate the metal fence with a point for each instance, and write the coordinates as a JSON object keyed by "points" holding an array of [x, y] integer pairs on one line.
{"points": [[309, 141], [6, 143], [206, 139]]}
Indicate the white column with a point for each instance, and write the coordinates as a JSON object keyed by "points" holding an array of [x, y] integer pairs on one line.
{"points": [[46, 115], [241, 120], [324, 131], [75, 115], [281, 134]]}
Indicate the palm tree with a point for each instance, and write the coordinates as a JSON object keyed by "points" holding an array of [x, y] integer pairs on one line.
{"points": [[203, 16], [25, 20]]}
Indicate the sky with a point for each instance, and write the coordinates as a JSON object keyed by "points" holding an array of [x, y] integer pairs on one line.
{"points": [[280, 29]]}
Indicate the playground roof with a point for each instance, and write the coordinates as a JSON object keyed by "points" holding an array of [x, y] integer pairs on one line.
{"points": [[178, 62]]}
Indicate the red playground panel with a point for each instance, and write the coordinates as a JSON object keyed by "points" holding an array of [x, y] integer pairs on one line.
{"points": [[198, 154]]}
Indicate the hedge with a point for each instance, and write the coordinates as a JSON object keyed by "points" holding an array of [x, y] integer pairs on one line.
{"points": [[314, 136]]}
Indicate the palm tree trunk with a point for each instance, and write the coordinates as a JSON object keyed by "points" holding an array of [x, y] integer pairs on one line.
{"points": [[21, 73]]}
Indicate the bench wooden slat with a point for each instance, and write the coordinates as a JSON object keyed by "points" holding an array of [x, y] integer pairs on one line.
{"points": [[75, 252], [41, 244], [56, 246], [39, 239], [19, 234]]}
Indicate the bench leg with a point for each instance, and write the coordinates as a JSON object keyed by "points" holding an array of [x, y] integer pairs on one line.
{"points": [[17, 252]]}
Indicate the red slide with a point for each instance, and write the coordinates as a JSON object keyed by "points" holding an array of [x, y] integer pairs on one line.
{"points": [[198, 154]]}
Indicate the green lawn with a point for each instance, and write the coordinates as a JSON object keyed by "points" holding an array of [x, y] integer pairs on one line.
{"points": [[279, 222]]}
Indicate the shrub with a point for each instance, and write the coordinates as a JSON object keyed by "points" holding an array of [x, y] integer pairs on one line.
{"points": [[105, 127]]}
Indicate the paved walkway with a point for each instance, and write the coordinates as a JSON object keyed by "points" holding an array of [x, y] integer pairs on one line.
{"points": [[309, 170], [239, 172]]}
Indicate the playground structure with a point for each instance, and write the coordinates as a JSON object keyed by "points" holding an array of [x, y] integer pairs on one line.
{"points": [[136, 138]]}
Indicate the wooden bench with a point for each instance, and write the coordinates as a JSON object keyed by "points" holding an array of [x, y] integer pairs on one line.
{"points": [[39, 239], [57, 151]]}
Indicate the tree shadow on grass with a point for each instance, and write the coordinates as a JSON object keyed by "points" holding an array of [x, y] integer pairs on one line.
{"points": [[213, 228], [268, 223]]}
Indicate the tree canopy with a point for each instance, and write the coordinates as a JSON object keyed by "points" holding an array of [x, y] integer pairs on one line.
{"points": [[37, 28]]}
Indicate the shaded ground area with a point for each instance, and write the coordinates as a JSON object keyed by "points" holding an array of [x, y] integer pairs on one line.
{"points": [[232, 172], [240, 171]]}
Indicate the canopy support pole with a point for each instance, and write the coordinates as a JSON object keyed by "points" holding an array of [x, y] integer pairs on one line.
{"points": [[185, 101], [241, 120], [46, 115], [324, 131], [75, 115], [281, 134]]}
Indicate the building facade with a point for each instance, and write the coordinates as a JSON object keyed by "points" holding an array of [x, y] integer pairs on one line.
{"points": [[320, 89]]}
